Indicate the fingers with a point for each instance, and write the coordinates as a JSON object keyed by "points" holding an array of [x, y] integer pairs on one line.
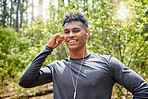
{"points": [[59, 36], [55, 40]]}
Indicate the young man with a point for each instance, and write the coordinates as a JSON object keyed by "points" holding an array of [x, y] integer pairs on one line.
{"points": [[83, 75]]}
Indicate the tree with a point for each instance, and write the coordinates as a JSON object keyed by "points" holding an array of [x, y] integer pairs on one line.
{"points": [[40, 9], [11, 11], [32, 10], [12, 50], [125, 39], [22, 10], [4, 13], [17, 16]]}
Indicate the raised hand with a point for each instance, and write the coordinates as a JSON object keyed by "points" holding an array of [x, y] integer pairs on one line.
{"points": [[54, 42]]}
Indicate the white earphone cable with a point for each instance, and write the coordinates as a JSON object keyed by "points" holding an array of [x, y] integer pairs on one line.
{"points": [[76, 83]]}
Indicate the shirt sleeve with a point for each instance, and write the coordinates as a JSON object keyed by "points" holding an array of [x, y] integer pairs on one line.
{"points": [[129, 79], [34, 75]]}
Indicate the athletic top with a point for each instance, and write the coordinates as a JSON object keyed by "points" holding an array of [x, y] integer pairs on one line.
{"points": [[97, 76]]}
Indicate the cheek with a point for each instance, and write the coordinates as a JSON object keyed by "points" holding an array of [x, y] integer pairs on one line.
{"points": [[81, 37], [65, 39]]}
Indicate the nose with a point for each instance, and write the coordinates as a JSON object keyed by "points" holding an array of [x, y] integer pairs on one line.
{"points": [[71, 34]]}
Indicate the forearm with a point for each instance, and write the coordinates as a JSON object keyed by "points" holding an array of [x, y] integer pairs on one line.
{"points": [[141, 92], [33, 76]]}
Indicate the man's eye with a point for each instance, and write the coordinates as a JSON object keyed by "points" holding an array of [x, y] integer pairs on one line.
{"points": [[66, 32], [75, 31]]}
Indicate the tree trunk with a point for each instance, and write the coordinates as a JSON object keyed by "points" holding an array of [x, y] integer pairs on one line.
{"points": [[32, 11], [21, 14], [11, 13], [17, 12], [27, 3], [40, 15], [4, 13]]}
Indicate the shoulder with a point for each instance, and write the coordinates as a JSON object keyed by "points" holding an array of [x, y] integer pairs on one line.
{"points": [[105, 58], [110, 60], [100, 55], [58, 63]]}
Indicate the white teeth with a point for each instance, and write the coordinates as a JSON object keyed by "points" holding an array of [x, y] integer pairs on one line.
{"points": [[72, 41]]}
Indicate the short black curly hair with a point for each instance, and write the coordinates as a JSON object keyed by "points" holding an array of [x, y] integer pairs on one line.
{"points": [[76, 16]]}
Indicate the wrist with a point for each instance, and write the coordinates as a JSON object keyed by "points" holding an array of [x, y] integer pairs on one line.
{"points": [[48, 48]]}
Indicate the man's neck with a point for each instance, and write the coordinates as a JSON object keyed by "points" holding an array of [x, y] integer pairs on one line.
{"points": [[78, 54]]}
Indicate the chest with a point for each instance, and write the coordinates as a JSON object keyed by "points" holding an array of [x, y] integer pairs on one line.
{"points": [[90, 75]]}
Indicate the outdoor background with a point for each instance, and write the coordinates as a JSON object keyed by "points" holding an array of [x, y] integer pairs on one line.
{"points": [[118, 28]]}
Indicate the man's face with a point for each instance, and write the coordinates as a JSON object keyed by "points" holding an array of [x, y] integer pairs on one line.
{"points": [[75, 35]]}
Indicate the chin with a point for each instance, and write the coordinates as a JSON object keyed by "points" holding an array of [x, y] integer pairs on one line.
{"points": [[73, 48]]}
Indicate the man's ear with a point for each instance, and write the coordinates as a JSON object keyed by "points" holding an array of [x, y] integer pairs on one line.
{"points": [[88, 33]]}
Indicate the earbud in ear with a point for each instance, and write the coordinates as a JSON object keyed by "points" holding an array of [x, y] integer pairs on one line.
{"points": [[87, 34]]}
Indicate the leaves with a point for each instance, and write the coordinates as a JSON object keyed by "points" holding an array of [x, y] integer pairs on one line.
{"points": [[12, 49], [125, 39]]}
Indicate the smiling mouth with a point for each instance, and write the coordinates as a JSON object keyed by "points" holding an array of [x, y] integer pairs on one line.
{"points": [[72, 41]]}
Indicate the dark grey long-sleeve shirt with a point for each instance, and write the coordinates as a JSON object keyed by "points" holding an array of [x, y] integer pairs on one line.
{"points": [[97, 76]]}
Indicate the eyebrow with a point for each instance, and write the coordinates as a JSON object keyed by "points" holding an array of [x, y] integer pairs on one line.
{"points": [[72, 29], [66, 29]]}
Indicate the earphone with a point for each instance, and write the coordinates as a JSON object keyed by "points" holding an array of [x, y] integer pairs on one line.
{"points": [[87, 34]]}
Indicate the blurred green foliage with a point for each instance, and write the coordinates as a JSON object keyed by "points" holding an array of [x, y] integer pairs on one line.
{"points": [[13, 54], [125, 39]]}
